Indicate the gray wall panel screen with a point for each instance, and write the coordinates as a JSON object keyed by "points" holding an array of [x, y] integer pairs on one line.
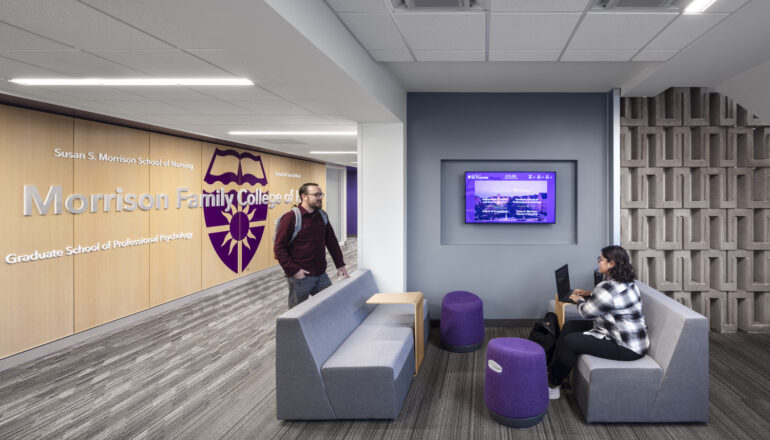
{"points": [[509, 266]]}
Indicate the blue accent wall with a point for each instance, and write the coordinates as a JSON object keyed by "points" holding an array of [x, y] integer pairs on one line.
{"points": [[511, 267]]}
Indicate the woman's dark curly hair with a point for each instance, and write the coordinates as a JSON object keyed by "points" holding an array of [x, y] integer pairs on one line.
{"points": [[623, 271]]}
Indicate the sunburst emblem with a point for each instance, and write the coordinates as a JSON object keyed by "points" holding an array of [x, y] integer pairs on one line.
{"points": [[240, 226]]}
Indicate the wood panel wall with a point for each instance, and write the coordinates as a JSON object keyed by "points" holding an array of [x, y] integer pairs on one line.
{"points": [[45, 300]]}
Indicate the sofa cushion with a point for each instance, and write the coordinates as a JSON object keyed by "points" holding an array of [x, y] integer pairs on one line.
{"points": [[373, 346], [369, 375], [616, 391]]}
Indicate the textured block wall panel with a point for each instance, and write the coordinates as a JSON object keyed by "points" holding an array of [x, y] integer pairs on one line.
{"points": [[695, 203]]}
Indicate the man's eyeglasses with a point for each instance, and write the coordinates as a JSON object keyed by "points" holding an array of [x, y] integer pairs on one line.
{"points": [[317, 195]]}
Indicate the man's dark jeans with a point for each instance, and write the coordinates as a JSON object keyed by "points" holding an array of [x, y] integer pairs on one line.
{"points": [[299, 290]]}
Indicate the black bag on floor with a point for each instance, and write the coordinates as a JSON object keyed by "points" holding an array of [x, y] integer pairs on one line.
{"points": [[544, 333]]}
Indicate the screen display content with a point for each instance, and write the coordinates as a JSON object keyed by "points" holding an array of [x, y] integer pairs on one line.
{"points": [[510, 197]]}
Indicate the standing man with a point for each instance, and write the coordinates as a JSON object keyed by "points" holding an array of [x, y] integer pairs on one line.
{"points": [[303, 258]]}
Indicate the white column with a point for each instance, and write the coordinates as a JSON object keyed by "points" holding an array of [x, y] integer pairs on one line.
{"points": [[382, 203]]}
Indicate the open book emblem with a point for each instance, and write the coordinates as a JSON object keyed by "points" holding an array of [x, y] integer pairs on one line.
{"points": [[235, 230]]}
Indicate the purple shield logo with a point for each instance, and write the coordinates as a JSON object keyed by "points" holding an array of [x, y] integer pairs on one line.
{"points": [[235, 229]]}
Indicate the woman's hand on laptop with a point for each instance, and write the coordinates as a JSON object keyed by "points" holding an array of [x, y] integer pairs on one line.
{"points": [[574, 297], [582, 292]]}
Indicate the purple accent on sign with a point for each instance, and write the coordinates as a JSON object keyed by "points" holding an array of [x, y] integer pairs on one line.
{"points": [[510, 197], [239, 226], [243, 235], [238, 177], [352, 197], [248, 252], [215, 215], [222, 248]]}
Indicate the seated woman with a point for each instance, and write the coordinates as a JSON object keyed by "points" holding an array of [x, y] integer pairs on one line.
{"points": [[617, 331]]}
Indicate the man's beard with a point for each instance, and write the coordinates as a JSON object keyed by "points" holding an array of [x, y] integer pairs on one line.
{"points": [[318, 204]]}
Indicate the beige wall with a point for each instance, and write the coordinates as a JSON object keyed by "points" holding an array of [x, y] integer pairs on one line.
{"points": [[48, 299]]}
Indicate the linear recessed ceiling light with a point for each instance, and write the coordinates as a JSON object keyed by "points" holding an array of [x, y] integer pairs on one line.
{"points": [[293, 133], [698, 6], [132, 81], [334, 152]]}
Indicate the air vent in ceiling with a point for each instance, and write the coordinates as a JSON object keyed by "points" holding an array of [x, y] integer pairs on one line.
{"points": [[631, 4], [441, 4]]}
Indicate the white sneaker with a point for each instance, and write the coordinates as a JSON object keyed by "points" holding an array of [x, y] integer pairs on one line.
{"points": [[553, 392]]}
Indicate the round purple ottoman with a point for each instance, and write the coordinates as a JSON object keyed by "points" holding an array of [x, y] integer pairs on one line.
{"points": [[515, 383], [462, 322]]}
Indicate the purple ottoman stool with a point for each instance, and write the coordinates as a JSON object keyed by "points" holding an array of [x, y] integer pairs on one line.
{"points": [[462, 322], [515, 383]]}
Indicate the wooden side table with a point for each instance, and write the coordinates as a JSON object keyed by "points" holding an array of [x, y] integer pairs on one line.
{"points": [[419, 323], [560, 310]]}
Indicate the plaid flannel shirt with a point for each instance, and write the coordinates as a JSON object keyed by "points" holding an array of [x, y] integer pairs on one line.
{"points": [[616, 309]]}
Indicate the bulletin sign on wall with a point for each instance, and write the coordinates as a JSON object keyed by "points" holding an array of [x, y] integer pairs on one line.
{"points": [[102, 221]]}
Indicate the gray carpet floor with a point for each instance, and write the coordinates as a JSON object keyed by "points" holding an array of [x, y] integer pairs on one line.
{"points": [[207, 370]]}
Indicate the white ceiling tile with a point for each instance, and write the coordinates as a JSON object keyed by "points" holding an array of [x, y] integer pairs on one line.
{"points": [[12, 38], [10, 69], [67, 62], [241, 63], [188, 24], [387, 56], [277, 107], [684, 30], [530, 31], [146, 107], [163, 63], [453, 31], [97, 93], [524, 55], [320, 108], [210, 106], [75, 24], [655, 55], [362, 5], [597, 55], [727, 5], [244, 93], [450, 55], [290, 90], [538, 5], [620, 30], [374, 31], [156, 93]]}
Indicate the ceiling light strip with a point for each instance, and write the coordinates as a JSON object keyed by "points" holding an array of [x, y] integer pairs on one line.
{"points": [[132, 81], [698, 6]]}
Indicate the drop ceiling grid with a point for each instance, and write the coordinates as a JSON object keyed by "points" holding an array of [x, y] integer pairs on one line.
{"points": [[168, 63], [13, 38], [70, 63], [531, 32], [443, 31], [684, 30], [374, 31], [76, 25], [523, 30], [618, 31]]}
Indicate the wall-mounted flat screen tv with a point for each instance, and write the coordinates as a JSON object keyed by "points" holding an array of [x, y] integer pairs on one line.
{"points": [[510, 197]]}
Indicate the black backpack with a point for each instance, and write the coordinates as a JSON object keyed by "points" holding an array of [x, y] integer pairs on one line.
{"points": [[544, 333]]}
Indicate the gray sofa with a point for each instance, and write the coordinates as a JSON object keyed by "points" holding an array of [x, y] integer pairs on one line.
{"points": [[337, 357], [669, 384]]}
